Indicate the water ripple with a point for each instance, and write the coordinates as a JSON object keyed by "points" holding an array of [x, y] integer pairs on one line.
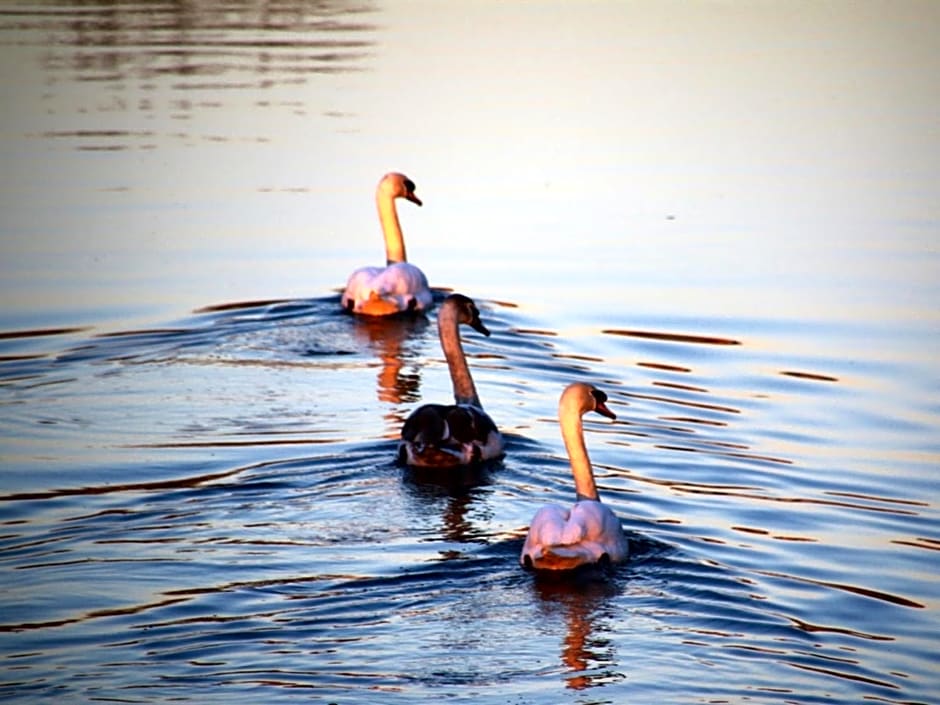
{"points": [[304, 559]]}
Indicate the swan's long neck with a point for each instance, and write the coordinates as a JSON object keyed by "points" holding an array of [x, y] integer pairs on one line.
{"points": [[388, 216], [572, 431], [464, 390]]}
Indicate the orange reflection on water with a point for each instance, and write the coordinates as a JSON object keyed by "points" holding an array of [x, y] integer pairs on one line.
{"points": [[580, 598], [389, 338]]}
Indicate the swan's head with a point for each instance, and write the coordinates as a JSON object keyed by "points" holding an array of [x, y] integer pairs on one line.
{"points": [[394, 185], [467, 312], [585, 397]]}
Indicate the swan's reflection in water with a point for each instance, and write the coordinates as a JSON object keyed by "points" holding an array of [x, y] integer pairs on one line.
{"points": [[581, 599], [457, 495], [396, 341]]}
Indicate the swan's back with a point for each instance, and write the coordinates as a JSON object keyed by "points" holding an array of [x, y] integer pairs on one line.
{"points": [[448, 435], [560, 539], [382, 290]]}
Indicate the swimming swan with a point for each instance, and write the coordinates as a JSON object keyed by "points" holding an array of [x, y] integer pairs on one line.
{"points": [[588, 533], [442, 435], [399, 286]]}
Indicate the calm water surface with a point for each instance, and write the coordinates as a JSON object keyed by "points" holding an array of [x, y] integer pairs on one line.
{"points": [[724, 215]]}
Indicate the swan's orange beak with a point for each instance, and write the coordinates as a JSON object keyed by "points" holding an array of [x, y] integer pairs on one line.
{"points": [[602, 409], [414, 199]]}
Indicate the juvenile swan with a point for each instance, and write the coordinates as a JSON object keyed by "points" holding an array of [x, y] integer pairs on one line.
{"points": [[442, 435], [588, 533], [399, 286]]}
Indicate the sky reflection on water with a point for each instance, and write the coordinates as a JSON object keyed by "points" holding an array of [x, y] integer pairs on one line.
{"points": [[803, 186]]}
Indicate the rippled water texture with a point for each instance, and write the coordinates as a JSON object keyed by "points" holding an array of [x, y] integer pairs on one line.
{"points": [[724, 216]]}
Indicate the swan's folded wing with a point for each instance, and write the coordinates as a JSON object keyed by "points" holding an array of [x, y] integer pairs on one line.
{"points": [[601, 528], [470, 424], [403, 283], [442, 435], [426, 424], [546, 529], [359, 284], [548, 545]]}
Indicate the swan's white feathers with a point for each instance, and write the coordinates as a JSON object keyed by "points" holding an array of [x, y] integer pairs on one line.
{"points": [[562, 539], [401, 286]]}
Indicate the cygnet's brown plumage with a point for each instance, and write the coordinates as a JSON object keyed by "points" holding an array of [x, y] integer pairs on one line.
{"points": [[447, 435]]}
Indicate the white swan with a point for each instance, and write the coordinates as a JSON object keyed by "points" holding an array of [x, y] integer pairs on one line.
{"points": [[399, 286], [588, 533], [447, 435]]}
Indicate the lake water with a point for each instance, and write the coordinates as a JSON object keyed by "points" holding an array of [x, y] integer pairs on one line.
{"points": [[725, 215]]}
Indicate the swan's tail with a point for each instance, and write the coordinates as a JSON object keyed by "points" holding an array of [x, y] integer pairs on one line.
{"points": [[423, 455], [386, 305], [559, 558]]}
